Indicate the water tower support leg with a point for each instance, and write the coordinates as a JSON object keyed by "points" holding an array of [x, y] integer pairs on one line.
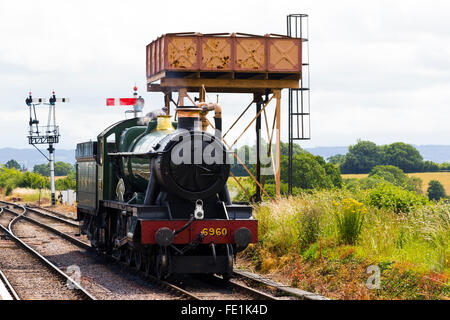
{"points": [[259, 101], [277, 94]]}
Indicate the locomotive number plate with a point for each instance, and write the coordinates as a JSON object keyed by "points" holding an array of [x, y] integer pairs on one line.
{"points": [[214, 232]]}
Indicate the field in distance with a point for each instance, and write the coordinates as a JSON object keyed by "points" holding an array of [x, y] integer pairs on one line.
{"points": [[442, 177]]}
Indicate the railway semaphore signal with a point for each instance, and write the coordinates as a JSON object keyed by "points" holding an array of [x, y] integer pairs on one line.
{"points": [[136, 102], [45, 134]]}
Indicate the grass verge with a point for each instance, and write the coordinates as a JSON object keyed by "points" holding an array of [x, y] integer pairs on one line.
{"points": [[299, 239]]}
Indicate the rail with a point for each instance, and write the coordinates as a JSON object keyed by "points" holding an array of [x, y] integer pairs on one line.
{"points": [[54, 269]]}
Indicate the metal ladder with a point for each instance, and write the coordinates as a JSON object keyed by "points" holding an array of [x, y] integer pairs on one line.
{"points": [[299, 99]]}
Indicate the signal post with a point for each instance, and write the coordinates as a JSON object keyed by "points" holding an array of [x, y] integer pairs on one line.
{"points": [[41, 134]]}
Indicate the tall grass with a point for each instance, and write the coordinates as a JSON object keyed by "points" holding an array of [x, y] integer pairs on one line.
{"points": [[420, 238], [29, 195]]}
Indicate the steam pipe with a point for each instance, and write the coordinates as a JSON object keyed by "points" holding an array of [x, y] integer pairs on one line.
{"points": [[217, 116], [225, 195], [150, 194]]}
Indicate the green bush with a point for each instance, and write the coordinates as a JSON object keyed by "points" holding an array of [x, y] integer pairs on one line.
{"points": [[371, 182], [34, 181], [67, 182], [9, 179], [435, 190], [349, 220], [414, 184], [352, 184], [390, 173], [397, 177], [13, 178], [388, 196]]}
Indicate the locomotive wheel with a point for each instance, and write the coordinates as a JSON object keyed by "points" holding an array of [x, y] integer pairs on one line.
{"points": [[116, 254], [162, 264], [147, 262], [138, 260], [123, 254], [129, 256], [226, 276]]}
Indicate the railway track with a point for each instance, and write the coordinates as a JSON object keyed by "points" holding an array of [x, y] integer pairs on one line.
{"points": [[190, 287], [7, 292], [212, 287], [29, 275], [51, 212], [277, 289], [99, 272]]}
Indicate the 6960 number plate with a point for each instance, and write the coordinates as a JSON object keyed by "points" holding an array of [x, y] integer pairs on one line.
{"points": [[214, 232]]}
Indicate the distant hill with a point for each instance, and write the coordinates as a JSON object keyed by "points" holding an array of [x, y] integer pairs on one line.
{"points": [[435, 153], [30, 157]]}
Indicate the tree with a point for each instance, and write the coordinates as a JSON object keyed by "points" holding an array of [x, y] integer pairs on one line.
{"points": [[404, 156], [13, 164], [61, 169], [296, 149], [435, 190], [337, 159], [361, 157], [308, 173], [247, 154], [334, 173], [430, 166], [42, 169]]}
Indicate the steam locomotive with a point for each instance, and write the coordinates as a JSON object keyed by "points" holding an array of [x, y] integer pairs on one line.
{"points": [[153, 193]]}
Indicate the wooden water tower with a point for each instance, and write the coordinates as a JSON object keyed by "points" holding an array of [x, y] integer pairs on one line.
{"points": [[186, 63]]}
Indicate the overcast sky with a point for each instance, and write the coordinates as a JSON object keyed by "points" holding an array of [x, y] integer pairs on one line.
{"points": [[379, 71]]}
